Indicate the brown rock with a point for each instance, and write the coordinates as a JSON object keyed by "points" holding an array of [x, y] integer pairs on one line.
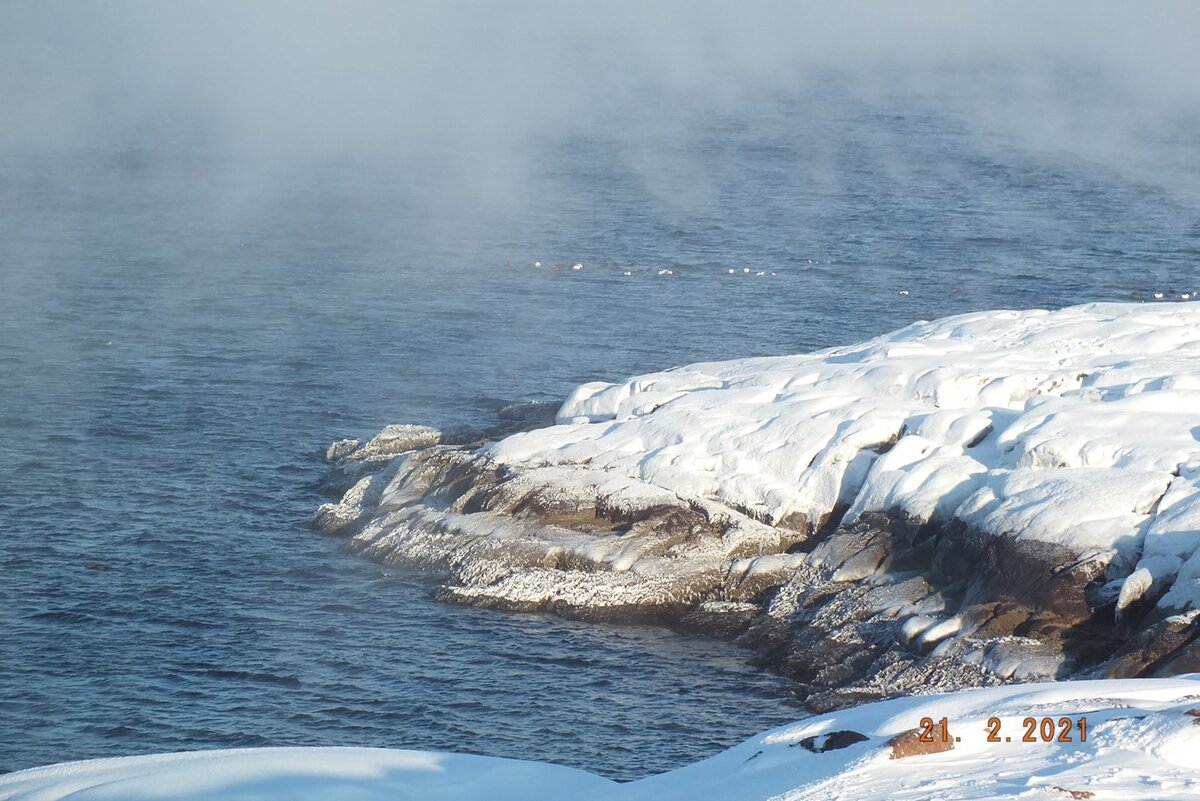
{"points": [[1075, 793], [1153, 646], [721, 620], [997, 619], [1184, 660], [797, 522], [909, 743], [1022, 573]]}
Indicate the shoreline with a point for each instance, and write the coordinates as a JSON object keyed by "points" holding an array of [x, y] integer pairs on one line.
{"points": [[917, 548]]}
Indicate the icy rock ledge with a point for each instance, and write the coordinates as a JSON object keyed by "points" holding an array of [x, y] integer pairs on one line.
{"points": [[989, 497], [1139, 742]]}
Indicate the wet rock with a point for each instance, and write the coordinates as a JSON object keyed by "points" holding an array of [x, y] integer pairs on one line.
{"points": [[894, 672], [358, 505], [1156, 646], [524, 416], [723, 619], [598, 596], [1022, 573], [339, 450], [831, 741], [747, 579], [391, 441], [995, 619], [1183, 660], [876, 607]]}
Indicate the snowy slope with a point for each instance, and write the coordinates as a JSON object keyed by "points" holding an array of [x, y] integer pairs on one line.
{"points": [[1142, 742], [301, 774]]}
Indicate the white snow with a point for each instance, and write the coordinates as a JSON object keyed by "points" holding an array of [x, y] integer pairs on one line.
{"points": [[1143, 737], [300, 774], [1079, 427]]}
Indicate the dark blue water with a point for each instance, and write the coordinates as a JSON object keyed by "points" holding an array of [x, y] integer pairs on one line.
{"points": [[182, 332]]}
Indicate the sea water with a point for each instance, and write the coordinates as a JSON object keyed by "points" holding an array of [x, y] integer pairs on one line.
{"points": [[183, 330]]}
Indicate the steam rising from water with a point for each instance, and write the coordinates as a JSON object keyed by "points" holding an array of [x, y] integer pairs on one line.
{"points": [[232, 232], [472, 96]]}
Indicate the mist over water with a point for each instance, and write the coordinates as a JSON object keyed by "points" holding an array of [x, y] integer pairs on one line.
{"points": [[230, 234]]}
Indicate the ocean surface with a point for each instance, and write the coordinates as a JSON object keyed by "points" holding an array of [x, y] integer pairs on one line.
{"points": [[183, 329]]}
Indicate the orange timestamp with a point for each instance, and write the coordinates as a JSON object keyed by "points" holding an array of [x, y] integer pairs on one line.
{"points": [[1035, 730]]}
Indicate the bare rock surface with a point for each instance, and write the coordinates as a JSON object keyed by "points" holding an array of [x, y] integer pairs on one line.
{"points": [[915, 742]]}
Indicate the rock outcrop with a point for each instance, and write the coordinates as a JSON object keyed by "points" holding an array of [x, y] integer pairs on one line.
{"points": [[975, 501]]}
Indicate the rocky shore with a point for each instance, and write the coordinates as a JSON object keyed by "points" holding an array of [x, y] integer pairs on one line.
{"points": [[1006, 496]]}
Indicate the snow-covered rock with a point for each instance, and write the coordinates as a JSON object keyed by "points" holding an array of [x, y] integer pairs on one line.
{"points": [[1038, 471], [1066, 427], [1142, 738], [1131, 739]]}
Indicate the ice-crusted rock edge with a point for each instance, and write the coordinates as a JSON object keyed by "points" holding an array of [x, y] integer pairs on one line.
{"points": [[1141, 741], [989, 497]]}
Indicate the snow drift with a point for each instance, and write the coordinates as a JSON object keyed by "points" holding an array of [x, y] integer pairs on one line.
{"points": [[1138, 740]]}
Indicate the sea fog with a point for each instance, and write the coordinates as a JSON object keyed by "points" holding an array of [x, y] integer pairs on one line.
{"points": [[230, 234]]}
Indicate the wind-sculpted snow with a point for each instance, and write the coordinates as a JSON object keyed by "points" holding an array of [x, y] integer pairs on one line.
{"points": [[1063, 426], [300, 774], [993, 496], [1134, 739]]}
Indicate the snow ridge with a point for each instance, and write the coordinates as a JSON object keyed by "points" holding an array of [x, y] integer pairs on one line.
{"points": [[1138, 740]]}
